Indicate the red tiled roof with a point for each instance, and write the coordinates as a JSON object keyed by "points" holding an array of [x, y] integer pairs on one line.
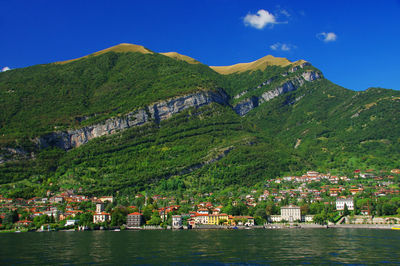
{"points": [[135, 213]]}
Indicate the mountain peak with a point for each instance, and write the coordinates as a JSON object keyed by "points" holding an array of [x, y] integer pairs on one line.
{"points": [[119, 48], [259, 64], [185, 58]]}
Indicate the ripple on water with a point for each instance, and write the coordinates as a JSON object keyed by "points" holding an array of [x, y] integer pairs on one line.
{"points": [[204, 247]]}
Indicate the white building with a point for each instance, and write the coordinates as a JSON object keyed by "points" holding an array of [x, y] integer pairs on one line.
{"points": [[201, 218], [341, 202], [202, 211], [99, 207], [106, 198], [100, 216], [71, 222], [308, 218], [176, 221], [274, 218], [291, 213]]}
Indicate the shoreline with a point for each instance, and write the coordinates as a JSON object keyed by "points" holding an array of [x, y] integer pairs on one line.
{"points": [[266, 227]]}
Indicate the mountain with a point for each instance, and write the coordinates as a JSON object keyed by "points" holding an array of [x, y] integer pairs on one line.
{"points": [[185, 58], [127, 119], [260, 64]]}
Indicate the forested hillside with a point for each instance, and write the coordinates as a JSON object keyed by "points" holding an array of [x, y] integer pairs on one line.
{"points": [[270, 121]]}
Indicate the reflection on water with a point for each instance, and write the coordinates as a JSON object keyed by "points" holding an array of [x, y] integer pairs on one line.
{"points": [[314, 246]]}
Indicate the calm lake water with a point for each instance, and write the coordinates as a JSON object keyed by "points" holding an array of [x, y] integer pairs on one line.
{"points": [[286, 246]]}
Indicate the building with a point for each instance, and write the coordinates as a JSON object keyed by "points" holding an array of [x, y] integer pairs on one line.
{"points": [[99, 207], [274, 218], [201, 218], [307, 218], [243, 220], [217, 218], [71, 222], [106, 198], [202, 211], [176, 221], [134, 219], [341, 202], [101, 217], [291, 213]]}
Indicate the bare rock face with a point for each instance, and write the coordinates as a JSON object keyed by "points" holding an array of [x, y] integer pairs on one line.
{"points": [[165, 109], [162, 110], [310, 75], [245, 106], [295, 68], [154, 112]]}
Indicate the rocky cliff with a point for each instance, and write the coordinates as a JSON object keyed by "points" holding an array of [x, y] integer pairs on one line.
{"points": [[245, 106], [155, 112], [165, 109]]}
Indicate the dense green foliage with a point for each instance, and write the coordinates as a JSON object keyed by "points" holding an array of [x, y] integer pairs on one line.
{"points": [[320, 126], [59, 96]]}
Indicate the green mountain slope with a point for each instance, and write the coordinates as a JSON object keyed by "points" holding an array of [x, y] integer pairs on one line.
{"points": [[59, 96], [276, 120]]}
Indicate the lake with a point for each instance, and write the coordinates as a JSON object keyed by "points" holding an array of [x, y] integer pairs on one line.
{"points": [[259, 246]]}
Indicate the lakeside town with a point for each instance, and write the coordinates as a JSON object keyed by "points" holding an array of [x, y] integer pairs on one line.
{"points": [[367, 197]]}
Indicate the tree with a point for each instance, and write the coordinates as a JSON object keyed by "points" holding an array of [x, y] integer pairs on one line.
{"points": [[319, 218], [346, 210], [85, 218], [222, 221], [148, 212], [155, 219], [11, 217], [389, 208], [118, 216]]}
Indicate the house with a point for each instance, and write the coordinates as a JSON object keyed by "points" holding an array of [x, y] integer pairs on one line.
{"points": [[243, 220], [307, 218], [395, 171], [201, 218], [106, 198], [312, 173], [191, 222], [24, 223], [100, 216], [341, 202], [52, 211], [333, 192], [56, 199], [202, 211], [274, 218], [216, 218], [99, 207], [291, 213], [134, 219], [71, 222], [354, 191], [176, 221]]}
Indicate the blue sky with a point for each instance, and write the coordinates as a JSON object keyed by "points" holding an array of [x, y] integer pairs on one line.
{"points": [[354, 43]]}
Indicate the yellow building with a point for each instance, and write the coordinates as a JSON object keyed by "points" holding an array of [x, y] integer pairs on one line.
{"points": [[216, 218]]}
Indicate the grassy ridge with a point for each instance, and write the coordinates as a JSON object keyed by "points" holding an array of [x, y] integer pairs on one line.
{"points": [[320, 126], [57, 96]]}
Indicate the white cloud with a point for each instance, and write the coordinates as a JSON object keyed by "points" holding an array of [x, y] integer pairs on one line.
{"points": [[4, 69], [259, 20], [327, 36], [285, 47]]}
